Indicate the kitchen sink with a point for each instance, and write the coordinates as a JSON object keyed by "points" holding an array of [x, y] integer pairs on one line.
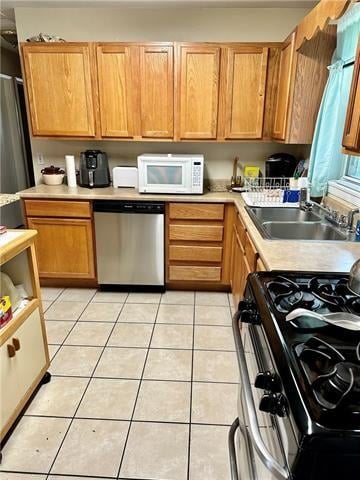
{"points": [[283, 223], [283, 214], [302, 231]]}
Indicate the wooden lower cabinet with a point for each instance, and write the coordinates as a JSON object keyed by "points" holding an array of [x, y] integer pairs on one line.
{"points": [[198, 245], [24, 356], [65, 247], [244, 260]]}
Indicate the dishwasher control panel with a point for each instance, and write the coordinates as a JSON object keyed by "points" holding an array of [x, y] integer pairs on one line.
{"points": [[118, 206]]}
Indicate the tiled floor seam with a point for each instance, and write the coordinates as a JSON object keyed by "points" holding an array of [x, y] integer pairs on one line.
{"points": [[191, 389], [137, 393], [83, 394]]}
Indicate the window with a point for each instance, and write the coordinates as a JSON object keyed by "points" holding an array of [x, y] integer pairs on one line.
{"points": [[352, 169], [348, 187]]}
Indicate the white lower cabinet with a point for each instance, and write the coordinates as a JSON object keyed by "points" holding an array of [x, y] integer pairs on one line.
{"points": [[19, 372]]}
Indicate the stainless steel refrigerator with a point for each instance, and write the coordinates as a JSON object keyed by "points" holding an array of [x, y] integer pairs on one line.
{"points": [[16, 169]]}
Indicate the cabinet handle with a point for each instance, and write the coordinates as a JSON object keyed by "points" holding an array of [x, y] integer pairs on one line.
{"points": [[16, 343], [11, 350]]}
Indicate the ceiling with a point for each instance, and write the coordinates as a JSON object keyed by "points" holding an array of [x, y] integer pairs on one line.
{"points": [[9, 4]]}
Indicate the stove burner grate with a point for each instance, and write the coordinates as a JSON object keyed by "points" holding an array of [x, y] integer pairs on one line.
{"points": [[335, 294], [334, 381], [287, 295]]}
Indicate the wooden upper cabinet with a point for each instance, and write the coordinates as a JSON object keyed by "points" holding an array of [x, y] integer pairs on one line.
{"points": [[157, 91], [245, 70], [198, 84], [351, 138], [58, 79], [117, 100], [302, 78], [284, 88]]}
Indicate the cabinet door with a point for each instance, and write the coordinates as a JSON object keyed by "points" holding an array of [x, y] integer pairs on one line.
{"points": [[116, 89], [157, 91], [59, 89], [198, 91], [284, 88], [245, 83], [351, 139], [64, 247], [18, 373]]}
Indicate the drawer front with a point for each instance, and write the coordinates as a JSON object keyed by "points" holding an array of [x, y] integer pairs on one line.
{"points": [[57, 208], [196, 211], [193, 253], [200, 233], [194, 273], [251, 253]]}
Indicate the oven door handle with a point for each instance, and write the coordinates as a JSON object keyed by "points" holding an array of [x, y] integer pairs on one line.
{"points": [[265, 456], [238, 424]]}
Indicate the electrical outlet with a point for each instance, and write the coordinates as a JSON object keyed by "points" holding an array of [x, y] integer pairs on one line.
{"points": [[40, 159]]}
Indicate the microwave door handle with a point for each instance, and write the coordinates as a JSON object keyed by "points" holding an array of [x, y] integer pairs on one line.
{"points": [[254, 431]]}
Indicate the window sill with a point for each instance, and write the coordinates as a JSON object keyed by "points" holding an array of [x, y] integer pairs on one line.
{"points": [[340, 190]]}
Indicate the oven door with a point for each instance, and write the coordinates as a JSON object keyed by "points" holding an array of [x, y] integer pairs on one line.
{"points": [[165, 176], [257, 440]]}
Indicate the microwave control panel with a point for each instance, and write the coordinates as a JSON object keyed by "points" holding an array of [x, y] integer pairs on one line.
{"points": [[197, 177]]}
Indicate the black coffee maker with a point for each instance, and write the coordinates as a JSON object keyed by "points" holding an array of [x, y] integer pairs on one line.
{"points": [[280, 165], [94, 169]]}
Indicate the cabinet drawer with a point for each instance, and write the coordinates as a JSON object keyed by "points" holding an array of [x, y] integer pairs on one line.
{"points": [[200, 233], [194, 273], [251, 253], [57, 208], [193, 253], [196, 211], [19, 372]]}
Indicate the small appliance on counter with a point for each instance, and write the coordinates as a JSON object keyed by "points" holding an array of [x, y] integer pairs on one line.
{"points": [[280, 165], [53, 175], [167, 173], [94, 169], [125, 177]]}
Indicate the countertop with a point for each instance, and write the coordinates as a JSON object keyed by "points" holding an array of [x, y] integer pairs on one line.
{"points": [[13, 241], [276, 254], [7, 198]]}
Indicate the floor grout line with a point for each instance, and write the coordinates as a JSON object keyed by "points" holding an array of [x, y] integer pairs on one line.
{"points": [[191, 389], [137, 394]]}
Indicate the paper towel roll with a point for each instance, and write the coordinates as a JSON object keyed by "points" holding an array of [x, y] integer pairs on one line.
{"points": [[70, 170]]}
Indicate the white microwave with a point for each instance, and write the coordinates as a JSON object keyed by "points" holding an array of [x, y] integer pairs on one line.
{"points": [[167, 173]]}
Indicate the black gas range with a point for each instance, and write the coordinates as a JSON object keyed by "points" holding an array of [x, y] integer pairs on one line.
{"points": [[308, 374]]}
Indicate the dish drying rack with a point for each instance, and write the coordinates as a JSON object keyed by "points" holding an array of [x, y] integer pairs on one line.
{"points": [[267, 191]]}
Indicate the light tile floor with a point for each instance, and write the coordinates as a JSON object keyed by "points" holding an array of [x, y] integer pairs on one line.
{"points": [[144, 386]]}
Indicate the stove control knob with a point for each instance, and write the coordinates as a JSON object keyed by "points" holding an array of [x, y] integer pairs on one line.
{"points": [[247, 311], [276, 404], [268, 381]]}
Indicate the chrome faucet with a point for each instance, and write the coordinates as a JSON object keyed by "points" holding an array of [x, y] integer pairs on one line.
{"points": [[350, 222], [303, 202]]}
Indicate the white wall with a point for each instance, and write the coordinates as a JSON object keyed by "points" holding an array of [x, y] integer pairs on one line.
{"points": [[171, 24]]}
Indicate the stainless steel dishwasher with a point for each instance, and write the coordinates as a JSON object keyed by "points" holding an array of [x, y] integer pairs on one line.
{"points": [[129, 243]]}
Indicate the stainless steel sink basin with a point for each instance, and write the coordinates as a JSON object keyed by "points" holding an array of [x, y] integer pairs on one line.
{"points": [[283, 214], [302, 231], [283, 223]]}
